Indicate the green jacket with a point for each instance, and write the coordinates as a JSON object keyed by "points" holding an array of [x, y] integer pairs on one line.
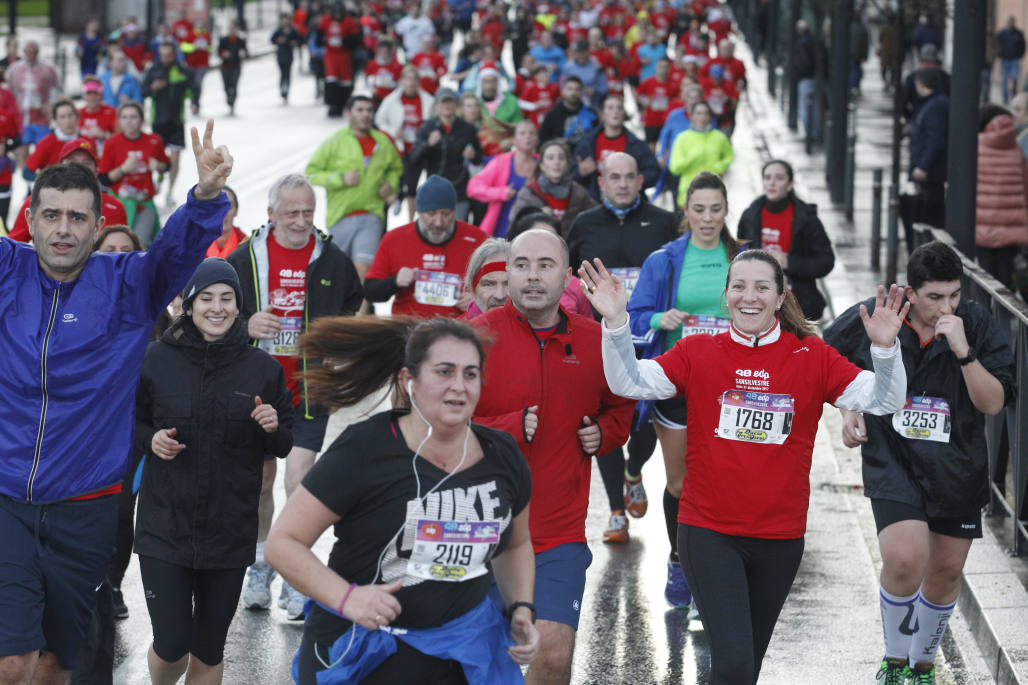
{"points": [[509, 111], [341, 153], [695, 151]]}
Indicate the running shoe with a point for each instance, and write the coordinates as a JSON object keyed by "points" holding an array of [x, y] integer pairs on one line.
{"points": [[694, 611], [635, 497], [120, 609], [617, 530], [292, 600], [676, 592], [922, 674], [257, 594], [894, 672]]}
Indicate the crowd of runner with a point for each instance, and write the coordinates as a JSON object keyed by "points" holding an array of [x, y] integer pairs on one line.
{"points": [[542, 255]]}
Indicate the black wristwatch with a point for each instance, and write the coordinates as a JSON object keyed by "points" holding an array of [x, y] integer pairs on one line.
{"points": [[971, 356], [515, 605]]}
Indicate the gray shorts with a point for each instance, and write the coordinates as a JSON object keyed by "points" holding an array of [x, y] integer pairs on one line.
{"points": [[358, 235]]}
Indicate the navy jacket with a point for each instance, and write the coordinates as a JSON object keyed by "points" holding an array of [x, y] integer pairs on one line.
{"points": [[928, 138], [73, 352]]}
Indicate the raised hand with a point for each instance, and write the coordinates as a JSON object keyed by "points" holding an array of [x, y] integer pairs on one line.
{"points": [[605, 292], [883, 326], [213, 164]]}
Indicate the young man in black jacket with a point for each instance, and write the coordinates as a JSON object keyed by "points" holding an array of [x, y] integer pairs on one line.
{"points": [[926, 466], [609, 137], [290, 274], [445, 145]]}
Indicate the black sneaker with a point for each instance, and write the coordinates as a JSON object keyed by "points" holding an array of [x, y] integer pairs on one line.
{"points": [[120, 610]]}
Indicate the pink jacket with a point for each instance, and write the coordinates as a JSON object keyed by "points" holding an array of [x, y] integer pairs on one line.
{"points": [[491, 186], [1001, 216]]}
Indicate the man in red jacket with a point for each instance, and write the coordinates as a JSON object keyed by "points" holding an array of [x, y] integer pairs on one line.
{"points": [[544, 385]]}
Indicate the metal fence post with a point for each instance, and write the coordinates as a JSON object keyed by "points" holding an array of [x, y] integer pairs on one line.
{"points": [[851, 161], [892, 239], [876, 219]]}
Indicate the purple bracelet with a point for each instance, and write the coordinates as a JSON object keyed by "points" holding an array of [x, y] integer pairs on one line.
{"points": [[345, 597]]}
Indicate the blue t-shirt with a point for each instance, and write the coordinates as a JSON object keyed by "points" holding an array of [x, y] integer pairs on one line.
{"points": [[516, 182]]}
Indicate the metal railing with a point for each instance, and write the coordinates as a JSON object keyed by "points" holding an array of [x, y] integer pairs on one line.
{"points": [[1006, 433]]}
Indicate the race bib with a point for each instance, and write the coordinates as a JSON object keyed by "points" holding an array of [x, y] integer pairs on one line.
{"points": [[410, 134], [756, 417], [708, 325], [452, 551], [284, 342], [659, 104], [335, 42], [436, 288], [629, 275], [427, 72], [923, 418]]}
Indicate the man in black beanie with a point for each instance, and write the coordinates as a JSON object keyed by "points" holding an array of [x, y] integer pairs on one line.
{"points": [[422, 263]]}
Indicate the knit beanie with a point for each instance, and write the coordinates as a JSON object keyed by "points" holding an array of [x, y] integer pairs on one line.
{"points": [[436, 193], [212, 270]]}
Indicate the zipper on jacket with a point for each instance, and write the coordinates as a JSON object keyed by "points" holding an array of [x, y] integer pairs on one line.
{"points": [[46, 399]]}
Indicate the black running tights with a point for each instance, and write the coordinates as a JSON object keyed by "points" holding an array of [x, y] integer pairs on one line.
{"points": [[740, 585]]}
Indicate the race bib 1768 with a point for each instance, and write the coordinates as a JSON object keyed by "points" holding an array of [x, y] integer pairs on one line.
{"points": [[756, 417]]}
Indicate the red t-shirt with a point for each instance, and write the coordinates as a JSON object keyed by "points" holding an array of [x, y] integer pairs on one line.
{"points": [[200, 57], [603, 57], [106, 119], [605, 146], [741, 487], [287, 295], [492, 31], [543, 96], [118, 148], [776, 229], [413, 117], [431, 67], [46, 153], [659, 94], [440, 268], [383, 78]]}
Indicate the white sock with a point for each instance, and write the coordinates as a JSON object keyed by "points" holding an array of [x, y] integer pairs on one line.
{"points": [[931, 620], [260, 552], [898, 622]]}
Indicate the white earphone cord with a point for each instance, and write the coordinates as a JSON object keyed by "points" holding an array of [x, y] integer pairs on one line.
{"points": [[420, 497]]}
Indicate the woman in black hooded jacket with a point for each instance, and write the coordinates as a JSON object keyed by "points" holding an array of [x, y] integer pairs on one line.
{"points": [[789, 229], [209, 408]]}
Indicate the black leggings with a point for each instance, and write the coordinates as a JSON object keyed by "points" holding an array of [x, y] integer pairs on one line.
{"points": [[740, 585], [407, 665], [126, 527], [178, 627]]}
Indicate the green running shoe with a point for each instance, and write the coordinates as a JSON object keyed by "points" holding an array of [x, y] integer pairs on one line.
{"points": [[923, 674], [893, 672]]}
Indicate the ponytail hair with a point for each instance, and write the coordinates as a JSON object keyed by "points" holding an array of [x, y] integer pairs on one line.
{"points": [[361, 354], [790, 316], [707, 180]]}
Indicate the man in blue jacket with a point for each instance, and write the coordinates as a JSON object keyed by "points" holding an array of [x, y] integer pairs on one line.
{"points": [[74, 326]]}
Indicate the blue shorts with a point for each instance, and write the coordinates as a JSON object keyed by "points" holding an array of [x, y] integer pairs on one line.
{"points": [[559, 583], [309, 433], [33, 133], [52, 562]]}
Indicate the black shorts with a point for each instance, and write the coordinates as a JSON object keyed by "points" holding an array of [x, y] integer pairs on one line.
{"points": [[671, 413], [309, 426], [52, 562], [190, 609], [653, 133], [887, 512], [409, 178], [173, 135]]}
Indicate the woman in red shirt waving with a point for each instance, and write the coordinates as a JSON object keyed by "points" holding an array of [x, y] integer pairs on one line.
{"points": [[755, 395]]}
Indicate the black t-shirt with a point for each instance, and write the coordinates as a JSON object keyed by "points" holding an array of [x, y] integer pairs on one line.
{"points": [[366, 477]]}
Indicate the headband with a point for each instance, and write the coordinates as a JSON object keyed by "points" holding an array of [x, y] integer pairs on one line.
{"points": [[487, 269]]}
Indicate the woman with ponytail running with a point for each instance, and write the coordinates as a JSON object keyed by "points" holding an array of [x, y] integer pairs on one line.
{"points": [[755, 394]]}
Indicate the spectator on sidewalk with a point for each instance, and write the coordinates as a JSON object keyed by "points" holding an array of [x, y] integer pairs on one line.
{"points": [[1011, 52], [860, 48], [928, 137], [1001, 207], [912, 100], [804, 70], [1019, 110]]}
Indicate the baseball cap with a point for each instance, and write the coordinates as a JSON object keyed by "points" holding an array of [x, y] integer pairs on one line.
{"points": [[79, 144], [445, 94]]}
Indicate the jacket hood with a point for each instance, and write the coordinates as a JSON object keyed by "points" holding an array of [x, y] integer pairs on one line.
{"points": [[999, 133]]}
